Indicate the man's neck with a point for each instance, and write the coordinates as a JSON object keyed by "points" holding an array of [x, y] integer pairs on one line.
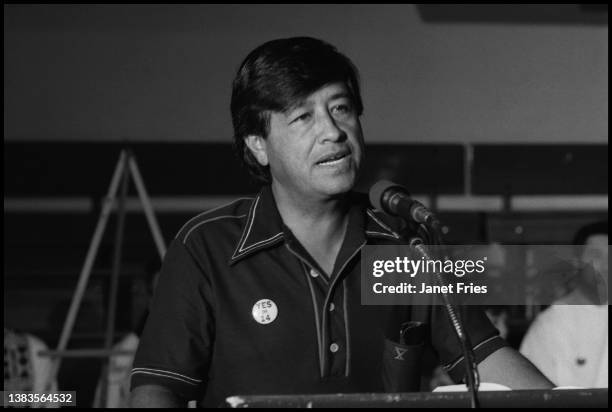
{"points": [[319, 224]]}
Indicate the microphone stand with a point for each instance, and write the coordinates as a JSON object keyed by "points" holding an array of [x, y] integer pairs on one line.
{"points": [[471, 368]]}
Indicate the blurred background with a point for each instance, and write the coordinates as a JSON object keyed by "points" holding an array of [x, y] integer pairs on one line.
{"points": [[495, 116]]}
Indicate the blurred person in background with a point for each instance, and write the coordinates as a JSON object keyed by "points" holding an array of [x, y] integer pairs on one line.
{"points": [[117, 387], [24, 368], [568, 341]]}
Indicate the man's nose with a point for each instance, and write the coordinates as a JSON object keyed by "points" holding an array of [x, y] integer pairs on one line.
{"points": [[329, 130]]}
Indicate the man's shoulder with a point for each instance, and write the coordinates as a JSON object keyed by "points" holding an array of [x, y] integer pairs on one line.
{"points": [[226, 218]]}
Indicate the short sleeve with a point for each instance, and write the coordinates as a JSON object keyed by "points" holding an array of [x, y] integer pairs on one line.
{"points": [[537, 343], [175, 347], [483, 336]]}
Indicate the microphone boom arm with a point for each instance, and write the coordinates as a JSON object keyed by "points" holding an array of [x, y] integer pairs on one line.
{"points": [[471, 368]]}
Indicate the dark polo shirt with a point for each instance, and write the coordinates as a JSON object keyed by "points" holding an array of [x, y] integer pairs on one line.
{"points": [[242, 308]]}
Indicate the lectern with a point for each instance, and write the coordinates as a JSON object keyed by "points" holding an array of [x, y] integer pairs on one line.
{"points": [[571, 398]]}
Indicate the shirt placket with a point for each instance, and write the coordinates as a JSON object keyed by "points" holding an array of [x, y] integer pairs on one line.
{"points": [[331, 317], [330, 297]]}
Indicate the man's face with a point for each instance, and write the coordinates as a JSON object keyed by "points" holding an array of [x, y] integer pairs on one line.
{"points": [[315, 149]]}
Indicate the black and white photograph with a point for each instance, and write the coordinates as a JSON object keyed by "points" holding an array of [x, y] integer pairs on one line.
{"points": [[305, 205]]}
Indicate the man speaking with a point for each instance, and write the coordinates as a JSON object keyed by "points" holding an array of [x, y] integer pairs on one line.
{"points": [[262, 296]]}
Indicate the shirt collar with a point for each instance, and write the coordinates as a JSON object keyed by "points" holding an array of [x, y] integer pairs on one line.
{"points": [[264, 226], [376, 226]]}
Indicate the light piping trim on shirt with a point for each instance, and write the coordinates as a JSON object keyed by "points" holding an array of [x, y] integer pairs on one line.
{"points": [[450, 366], [209, 211], [207, 221], [167, 374], [241, 250], [381, 224]]}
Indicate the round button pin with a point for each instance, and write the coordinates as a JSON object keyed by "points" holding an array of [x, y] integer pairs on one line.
{"points": [[265, 311], [334, 347], [314, 273]]}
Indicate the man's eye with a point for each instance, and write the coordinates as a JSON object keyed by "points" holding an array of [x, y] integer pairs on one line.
{"points": [[342, 109], [301, 118]]}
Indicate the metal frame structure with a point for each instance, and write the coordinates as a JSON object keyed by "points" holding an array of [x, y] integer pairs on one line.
{"points": [[126, 167]]}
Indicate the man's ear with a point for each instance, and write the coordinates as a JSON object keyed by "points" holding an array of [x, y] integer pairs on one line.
{"points": [[258, 147]]}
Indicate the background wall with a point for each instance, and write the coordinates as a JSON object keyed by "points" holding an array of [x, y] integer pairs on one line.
{"points": [[163, 73]]}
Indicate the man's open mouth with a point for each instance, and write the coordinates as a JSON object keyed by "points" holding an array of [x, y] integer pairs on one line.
{"points": [[334, 157]]}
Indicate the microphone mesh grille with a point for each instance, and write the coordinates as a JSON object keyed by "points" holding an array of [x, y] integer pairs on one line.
{"points": [[377, 190]]}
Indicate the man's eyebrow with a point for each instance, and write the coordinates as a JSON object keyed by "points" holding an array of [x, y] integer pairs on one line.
{"points": [[294, 106], [298, 104], [340, 95]]}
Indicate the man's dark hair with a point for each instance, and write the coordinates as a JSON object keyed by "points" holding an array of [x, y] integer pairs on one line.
{"points": [[277, 76], [583, 234]]}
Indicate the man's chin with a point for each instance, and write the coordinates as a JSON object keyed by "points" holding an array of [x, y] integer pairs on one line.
{"points": [[337, 187]]}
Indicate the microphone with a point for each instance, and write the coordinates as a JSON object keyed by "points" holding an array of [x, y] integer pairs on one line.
{"points": [[395, 200]]}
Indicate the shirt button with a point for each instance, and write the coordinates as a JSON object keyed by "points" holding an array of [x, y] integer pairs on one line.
{"points": [[334, 347], [332, 307], [314, 273]]}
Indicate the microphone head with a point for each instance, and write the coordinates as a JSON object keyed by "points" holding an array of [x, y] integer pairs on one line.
{"points": [[378, 189]]}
